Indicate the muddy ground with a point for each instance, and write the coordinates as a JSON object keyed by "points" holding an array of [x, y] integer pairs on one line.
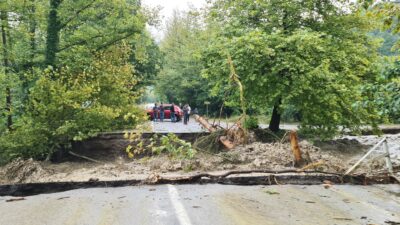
{"points": [[332, 156]]}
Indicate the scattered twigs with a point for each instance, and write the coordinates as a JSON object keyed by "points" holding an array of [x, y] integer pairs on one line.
{"points": [[284, 137], [311, 165], [237, 123], [213, 154], [85, 157]]}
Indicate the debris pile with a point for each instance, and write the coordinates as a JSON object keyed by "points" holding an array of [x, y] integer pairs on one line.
{"points": [[279, 156], [22, 171], [333, 157]]}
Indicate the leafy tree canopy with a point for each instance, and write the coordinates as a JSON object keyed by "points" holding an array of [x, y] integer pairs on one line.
{"points": [[310, 54]]}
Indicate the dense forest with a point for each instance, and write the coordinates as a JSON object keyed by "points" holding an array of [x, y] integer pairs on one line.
{"points": [[73, 68]]}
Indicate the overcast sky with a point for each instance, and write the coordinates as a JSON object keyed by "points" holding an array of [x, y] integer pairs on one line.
{"points": [[168, 7]]}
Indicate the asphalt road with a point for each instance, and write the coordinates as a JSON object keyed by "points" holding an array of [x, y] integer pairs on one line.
{"points": [[194, 127], [208, 204], [178, 127]]}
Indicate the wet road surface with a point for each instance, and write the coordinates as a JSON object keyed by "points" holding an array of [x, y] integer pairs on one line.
{"points": [[194, 127], [208, 204], [178, 127]]}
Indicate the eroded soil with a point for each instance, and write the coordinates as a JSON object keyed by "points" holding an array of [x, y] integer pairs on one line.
{"points": [[332, 156]]}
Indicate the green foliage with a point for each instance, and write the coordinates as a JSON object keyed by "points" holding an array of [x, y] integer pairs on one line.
{"points": [[251, 123], [147, 59], [180, 79], [100, 58], [86, 27], [386, 13], [388, 46], [175, 147], [315, 64], [385, 93], [29, 139], [67, 106], [169, 144]]}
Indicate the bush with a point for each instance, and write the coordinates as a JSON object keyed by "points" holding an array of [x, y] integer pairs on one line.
{"points": [[170, 144], [175, 147], [67, 106], [251, 123]]}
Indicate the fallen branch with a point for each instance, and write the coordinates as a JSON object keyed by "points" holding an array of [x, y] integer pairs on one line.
{"points": [[197, 177], [85, 157], [314, 177], [311, 165]]}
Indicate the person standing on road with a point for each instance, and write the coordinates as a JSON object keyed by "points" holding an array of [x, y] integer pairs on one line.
{"points": [[195, 111], [189, 111], [185, 114], [172, 111], [162, 112], [155, 112]]}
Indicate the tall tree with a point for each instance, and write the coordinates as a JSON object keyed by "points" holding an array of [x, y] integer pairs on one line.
{"points": [[6, 63], [95, 24], [53, 33], [100, 55], [309, 54], [180, 80]]}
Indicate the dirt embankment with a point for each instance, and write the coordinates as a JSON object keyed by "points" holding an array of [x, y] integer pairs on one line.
{"points": [[332, 156]]}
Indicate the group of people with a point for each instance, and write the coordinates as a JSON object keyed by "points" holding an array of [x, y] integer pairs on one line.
{"points": [[159, 113]]}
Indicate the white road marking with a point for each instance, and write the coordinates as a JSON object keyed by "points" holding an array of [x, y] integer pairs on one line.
{"points": [[180, 211]]}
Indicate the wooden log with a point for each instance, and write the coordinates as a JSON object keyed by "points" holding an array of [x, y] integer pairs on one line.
{"points": [[294, 143], [204, 123], [223, 139], [226, 142]]}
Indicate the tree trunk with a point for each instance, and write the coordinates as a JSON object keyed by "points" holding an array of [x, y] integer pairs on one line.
{"points": [[276, 117], [4, 25], [32, 24], [53, 33], [32, 33]]}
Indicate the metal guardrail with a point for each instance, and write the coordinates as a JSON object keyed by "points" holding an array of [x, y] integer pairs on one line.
{"points": [[387, 156]]}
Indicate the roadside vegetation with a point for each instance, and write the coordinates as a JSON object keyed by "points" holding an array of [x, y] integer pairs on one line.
{"points": [[73, 68], [320, 64]]}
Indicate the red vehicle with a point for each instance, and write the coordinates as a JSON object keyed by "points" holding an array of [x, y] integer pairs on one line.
{"points": [[167, 112]]}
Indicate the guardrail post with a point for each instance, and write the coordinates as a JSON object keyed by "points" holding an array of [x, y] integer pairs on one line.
{"points": [[387, 157]]}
